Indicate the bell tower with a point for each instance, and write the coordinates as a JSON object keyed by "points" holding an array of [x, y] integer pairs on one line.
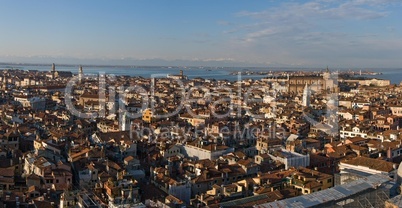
{"points": [[4, 83], [80, 74], [53, 71], [306, 96]]}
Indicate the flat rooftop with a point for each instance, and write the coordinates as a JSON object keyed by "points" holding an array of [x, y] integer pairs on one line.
{"points": [[283, 153]]}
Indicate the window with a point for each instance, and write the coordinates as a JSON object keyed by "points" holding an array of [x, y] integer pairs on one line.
{"points": [[329, 180]]}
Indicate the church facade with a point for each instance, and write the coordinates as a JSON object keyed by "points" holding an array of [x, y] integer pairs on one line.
{"points": [[318, 83]]}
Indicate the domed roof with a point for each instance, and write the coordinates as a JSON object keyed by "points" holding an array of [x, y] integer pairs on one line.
{"points": [[399, 174]]}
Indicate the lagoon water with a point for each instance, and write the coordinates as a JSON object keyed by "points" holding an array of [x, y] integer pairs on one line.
{"points": [[395, 75]]}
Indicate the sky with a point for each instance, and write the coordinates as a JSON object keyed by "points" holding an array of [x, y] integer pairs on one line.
{"points": [[268, 33]]}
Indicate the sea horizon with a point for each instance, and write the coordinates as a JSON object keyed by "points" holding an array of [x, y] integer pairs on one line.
{"points": [[207, 72]]}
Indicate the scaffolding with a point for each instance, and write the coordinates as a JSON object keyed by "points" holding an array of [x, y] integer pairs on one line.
{"points": [[347, 177], [372, 191], [370, 199]]}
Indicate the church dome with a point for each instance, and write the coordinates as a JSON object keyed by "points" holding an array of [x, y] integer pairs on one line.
{"points": [[399, 174]]}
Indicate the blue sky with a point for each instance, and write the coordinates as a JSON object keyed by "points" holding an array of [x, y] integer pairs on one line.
{"points": [[316, 33]]}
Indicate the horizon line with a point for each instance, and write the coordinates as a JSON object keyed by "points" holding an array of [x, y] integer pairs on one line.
{"points": [[189, 66]]}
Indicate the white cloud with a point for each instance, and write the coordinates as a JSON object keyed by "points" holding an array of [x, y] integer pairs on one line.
{"points": [[315, 32], [263, 33]]}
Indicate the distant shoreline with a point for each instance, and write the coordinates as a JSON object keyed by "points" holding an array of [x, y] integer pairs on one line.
{"points": [[191, 67]]}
